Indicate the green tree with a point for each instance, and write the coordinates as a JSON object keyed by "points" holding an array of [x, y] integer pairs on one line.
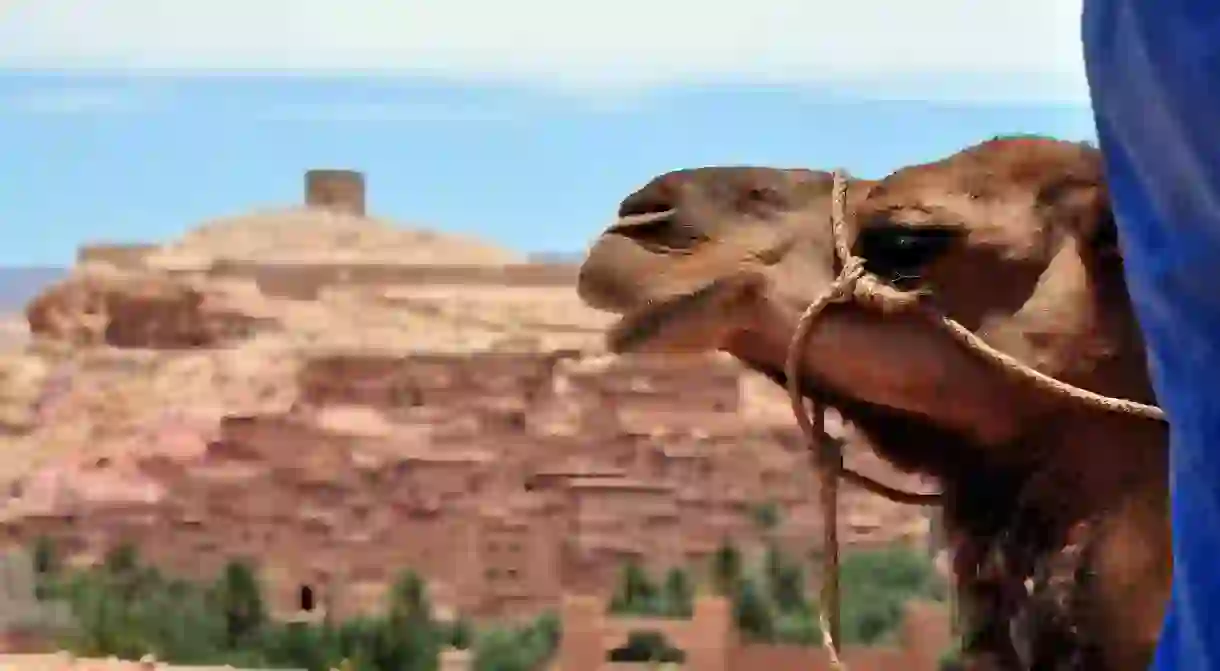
{"points": [[798, 628], [785, 580], [518, 649], [45, 559], [296, 645], [184, 625], [460, 634], [240, 602], [753, 612], [408, 600], [766, 516], [877, 584], [501, 650], [726, 568], [123, 572], [678, 593], [45, 556], [546, 631], [121, 559], [106, 619], [356, 640], [635, 593], [409, 640]]}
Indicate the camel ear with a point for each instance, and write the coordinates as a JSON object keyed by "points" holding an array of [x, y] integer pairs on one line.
{"points": [[1082, 208]]}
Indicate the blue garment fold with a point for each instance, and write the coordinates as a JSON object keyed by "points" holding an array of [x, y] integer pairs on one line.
{"points": [[1154, 76]]}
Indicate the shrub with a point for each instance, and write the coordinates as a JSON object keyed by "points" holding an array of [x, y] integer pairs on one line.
{"points": [[646, 646], [460, 634], [726, 568], [876, 584], [677, 594], [635, 593], [240, 602], [518, 649], [754, 612]]}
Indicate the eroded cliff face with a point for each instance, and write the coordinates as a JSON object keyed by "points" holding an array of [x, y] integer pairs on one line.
{"points": [[131, 310], [340, 429]]}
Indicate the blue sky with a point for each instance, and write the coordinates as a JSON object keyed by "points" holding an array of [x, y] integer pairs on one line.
{"points": [[111, 134]]}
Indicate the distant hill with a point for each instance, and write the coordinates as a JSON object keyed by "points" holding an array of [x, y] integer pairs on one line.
{"points": [[19, 284], [557, 257]]}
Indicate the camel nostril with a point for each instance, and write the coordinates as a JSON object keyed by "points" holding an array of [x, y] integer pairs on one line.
{"points": [[636, 207], [661, 231]]}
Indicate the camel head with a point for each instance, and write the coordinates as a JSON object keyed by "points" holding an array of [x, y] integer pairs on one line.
{"points": [[1012, 238], [693, 250]]}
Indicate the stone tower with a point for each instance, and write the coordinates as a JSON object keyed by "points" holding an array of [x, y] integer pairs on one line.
{"points": [[336, 190]]}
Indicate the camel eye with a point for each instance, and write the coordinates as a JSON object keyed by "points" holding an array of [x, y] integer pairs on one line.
{"points": [[899, 254]]}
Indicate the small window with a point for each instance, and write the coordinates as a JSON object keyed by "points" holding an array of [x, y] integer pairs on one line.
{"points": [[307, 599]]}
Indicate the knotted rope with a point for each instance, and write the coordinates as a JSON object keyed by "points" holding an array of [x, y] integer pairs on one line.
{"points": [[853, 284]]}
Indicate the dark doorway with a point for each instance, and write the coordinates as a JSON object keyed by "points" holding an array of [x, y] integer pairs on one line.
{"points": [[306, 598]]}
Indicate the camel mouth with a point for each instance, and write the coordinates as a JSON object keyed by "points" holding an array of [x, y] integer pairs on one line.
{"points": [[694, 321]]}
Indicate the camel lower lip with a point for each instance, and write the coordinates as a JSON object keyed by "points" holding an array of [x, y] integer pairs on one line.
{"points": [[638, 328]]}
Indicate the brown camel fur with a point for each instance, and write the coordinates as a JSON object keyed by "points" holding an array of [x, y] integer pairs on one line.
{"points": [[1057, 513]]}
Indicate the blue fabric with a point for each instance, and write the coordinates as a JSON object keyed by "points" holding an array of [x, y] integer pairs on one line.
{"points": [[1154, 75]]}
